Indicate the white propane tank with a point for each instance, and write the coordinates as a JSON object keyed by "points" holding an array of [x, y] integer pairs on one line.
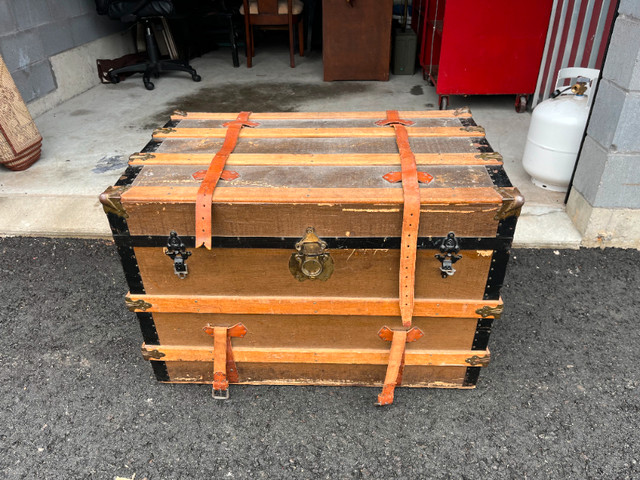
{"points": [[556, 130]]}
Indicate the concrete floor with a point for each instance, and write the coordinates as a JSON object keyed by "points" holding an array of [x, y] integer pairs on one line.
{"points": [[87, 140]]}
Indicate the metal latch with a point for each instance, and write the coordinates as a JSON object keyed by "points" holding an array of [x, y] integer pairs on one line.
{"points": [[449, 248], [176, 249], [311, 261]]}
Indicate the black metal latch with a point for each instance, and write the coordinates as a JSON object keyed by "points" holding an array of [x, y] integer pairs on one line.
{"points": [[176, 249], [449, 248]]}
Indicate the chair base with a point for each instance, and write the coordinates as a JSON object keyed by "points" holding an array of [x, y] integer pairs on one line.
{"points": [[154, 65], [154, 68]]}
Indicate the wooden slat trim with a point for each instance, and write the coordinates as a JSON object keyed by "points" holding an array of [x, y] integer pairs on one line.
{"points": [[459, 113], [377, 196], [453, 358], [384, 307], [376, 132], [353, 159]]}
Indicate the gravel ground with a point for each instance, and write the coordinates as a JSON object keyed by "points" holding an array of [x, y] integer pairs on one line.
{"points": [[560, 399]]}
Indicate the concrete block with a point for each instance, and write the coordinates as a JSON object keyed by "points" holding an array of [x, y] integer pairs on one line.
{"points": [[629, 7], [35, 80], [604, 227], [552, 229], [71, 8], [607, 107], [56, 37], [627, 134], [21, 49], [75, 69], [591, 165], [620, 182], [623, 58], [87, 28], [7, 20], [31, 13]]}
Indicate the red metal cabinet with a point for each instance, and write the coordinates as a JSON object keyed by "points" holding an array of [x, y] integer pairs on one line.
{"points": [[492, 47]]}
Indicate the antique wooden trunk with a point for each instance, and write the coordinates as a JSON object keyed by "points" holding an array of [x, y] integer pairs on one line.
{"points": [[361, 248]]}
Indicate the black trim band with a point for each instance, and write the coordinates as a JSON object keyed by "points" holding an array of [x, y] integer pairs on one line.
{"points": [[482, 145], [130, 267], [118, 224], [151, 146], [497, 271], [160, 369], [129, 175], [148, 328], [471, 376], [468, 122], [466, 243], [483, 331], [498, 175], [507, 227]]}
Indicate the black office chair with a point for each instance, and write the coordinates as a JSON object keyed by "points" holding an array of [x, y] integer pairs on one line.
{"points": [[144, 11]]}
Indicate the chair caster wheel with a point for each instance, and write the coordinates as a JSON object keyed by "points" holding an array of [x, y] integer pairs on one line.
{"points": [[195, 77], [114, 78], [149, 85]]}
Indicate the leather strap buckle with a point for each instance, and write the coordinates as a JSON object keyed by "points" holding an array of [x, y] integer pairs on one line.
{"points": [[224, 366], [393, 378]]}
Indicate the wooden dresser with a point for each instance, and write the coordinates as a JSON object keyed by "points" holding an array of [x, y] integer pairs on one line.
{"points": [[356, 39]]}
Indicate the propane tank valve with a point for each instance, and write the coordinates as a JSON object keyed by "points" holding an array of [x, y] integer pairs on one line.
{"points": [[579, 88]]}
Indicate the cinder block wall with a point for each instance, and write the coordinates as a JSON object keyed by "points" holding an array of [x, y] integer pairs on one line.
{"points": [[605, 199], [33, 31]]}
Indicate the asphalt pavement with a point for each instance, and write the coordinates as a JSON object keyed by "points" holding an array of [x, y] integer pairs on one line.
{"points": [[559, 400]]}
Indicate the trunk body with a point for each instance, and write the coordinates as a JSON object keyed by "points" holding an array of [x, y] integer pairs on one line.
{"points": [[324, 173]]}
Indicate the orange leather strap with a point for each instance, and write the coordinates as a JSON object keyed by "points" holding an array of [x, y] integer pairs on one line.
{"points": [[220, 339], [208, 185], [393, 378], [410, 214], [224, 366]]}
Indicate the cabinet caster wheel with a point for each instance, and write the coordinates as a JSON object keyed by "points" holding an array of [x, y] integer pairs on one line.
{"points": [[195, 77], [149, 85], [443, 104]]}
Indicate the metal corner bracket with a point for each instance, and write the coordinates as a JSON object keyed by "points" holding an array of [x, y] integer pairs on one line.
{"points": [[477, 361], [151, 354], [488, 311], [110, 200], [512, 201], [134, 305]]}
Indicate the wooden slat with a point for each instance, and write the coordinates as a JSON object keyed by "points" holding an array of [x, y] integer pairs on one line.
{"points": [[180, 353], [164, 133], [459, 113], [305, 306], [316, 374], [354, 159], [378, 196]]}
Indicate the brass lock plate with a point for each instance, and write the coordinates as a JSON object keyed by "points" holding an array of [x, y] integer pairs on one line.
{"points": [[311, 261]]}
